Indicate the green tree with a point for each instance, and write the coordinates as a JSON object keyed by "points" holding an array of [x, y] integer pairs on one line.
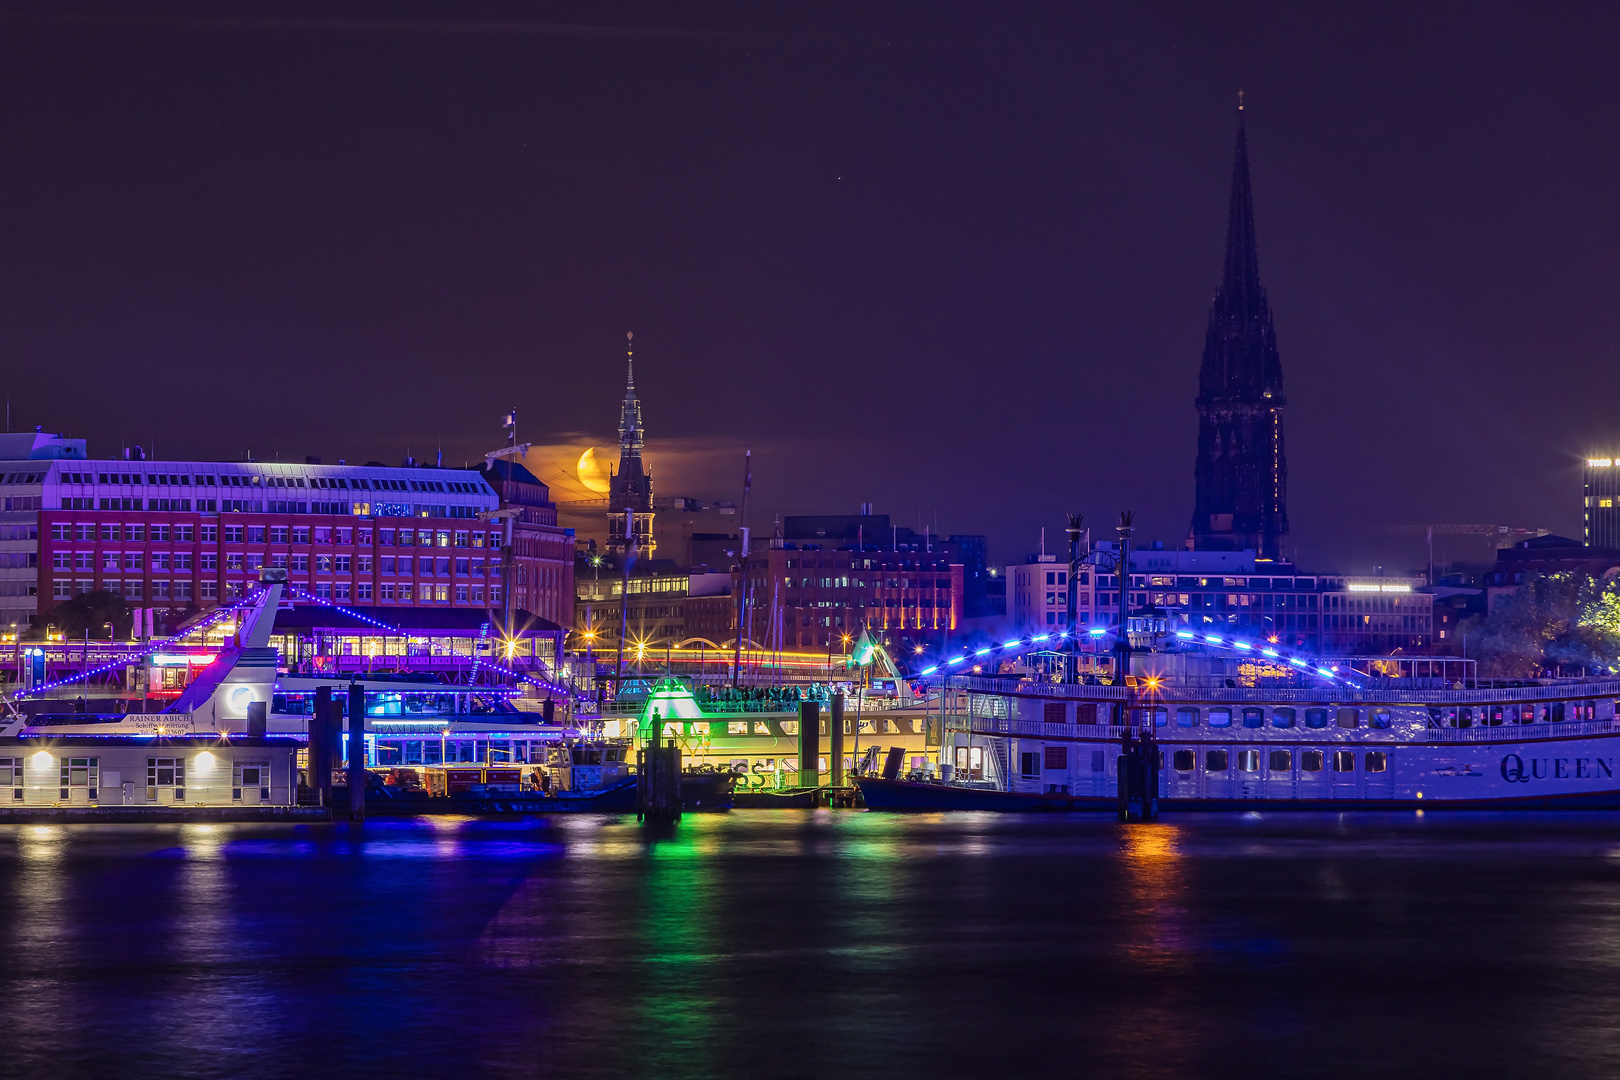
{"points": [[92, 612], [1565, 619]]}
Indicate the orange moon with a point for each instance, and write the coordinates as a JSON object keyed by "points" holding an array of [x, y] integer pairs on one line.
{"points": [[590, 472]]}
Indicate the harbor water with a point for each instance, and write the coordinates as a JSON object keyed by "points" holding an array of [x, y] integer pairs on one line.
{"points": [[817, 944]]}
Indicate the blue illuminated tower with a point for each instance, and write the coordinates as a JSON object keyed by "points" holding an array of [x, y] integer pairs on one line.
{"points": [[1242, 474]]}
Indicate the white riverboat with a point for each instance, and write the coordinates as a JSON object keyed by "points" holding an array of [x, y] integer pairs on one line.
{"points": [[1239, 725]]}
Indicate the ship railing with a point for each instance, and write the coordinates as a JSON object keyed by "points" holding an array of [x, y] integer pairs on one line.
{"points": [[1034, 729], [1521, 732], [1386, 692]]}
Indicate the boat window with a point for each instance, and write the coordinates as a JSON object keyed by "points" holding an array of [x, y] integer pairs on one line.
{"points": [[1254, 717], [1161, 716], [1029, 765], [1378, 718], [1215, 761], [1349, 718], [1553, 712], [1344, 761], [1281, 761], [1183, 760], [1463, 717], [1282, 717], [1099, 761], [1187, 716], [1376, 762], [1496, 715], [1056, 712], [1220, 718], [1316, 718], [1057, 757], [1310, 760], [1248, 761]]}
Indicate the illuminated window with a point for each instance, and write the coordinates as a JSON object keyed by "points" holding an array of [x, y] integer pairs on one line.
{"points": [[1248, 761]]}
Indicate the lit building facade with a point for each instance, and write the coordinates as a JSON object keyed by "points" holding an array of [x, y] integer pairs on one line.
{"points": [[1600, 506], [178, 537], [808, 597]]}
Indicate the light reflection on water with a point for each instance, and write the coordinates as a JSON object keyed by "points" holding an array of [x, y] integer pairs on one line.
{"points": [[815, 943]]}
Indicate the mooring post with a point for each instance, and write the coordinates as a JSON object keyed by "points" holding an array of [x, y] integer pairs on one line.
{"points": [[809, 744], [835, 741], [320, 764], [357, 751]]}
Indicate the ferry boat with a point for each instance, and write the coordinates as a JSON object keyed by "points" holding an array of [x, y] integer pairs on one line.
{"points": [[1227, 724], [467, 744]]}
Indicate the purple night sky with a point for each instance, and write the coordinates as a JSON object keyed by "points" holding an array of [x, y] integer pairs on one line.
{"points": [[952, 259]]}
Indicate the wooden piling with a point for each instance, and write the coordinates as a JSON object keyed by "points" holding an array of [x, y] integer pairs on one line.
{"points": [[320, 743], [357, 751], [835, 741], [809, 744]]}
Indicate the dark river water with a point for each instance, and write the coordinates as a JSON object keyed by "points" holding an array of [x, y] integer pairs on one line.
{"points": [[816, 944]]}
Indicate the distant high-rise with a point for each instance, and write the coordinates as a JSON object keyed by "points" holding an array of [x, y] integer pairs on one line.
{"points": [[630, 488], [1600, 514], [1242, 474]]}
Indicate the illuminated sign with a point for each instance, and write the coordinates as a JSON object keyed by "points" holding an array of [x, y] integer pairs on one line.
{"points": [[1367, 586], [166, 660], [1599, 462]]}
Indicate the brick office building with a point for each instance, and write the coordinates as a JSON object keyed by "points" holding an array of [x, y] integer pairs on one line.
{"points": [[811, 597], [182, 536]]}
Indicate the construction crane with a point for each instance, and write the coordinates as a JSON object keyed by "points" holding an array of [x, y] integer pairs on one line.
{"points": [[1502, 535]]}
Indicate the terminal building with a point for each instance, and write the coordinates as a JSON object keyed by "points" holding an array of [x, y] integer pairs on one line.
{"points": [[179, 537]]}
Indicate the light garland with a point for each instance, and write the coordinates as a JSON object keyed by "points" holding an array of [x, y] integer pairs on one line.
{"points": [[478, 661], [1053, 639], [143, 654]]}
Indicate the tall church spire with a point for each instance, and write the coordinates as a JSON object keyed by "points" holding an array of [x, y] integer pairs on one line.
{"points": [[630, 491], [1242, 473], [630, 439]]}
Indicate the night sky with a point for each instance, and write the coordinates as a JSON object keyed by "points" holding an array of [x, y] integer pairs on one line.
{"points": [[952, 259]]}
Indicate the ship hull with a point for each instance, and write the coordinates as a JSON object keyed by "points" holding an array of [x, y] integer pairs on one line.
{"points": [[906, 796]]}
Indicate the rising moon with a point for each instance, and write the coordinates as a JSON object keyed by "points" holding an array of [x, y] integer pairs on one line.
{"points": [[590, 473]]}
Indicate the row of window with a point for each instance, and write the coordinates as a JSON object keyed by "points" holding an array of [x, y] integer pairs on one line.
{"points": [[340, 591], [358, 483], [1280, 761]]}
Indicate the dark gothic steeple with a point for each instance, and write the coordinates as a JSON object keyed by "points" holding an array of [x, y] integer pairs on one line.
{"points": [[1242, 474], [630, 488]]}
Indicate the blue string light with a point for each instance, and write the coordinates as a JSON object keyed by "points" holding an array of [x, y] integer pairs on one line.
{"points": [[477, 661], [379, 624], [125, 661], [1020, 644]]}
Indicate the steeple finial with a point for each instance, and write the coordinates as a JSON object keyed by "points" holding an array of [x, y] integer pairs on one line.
{"points": [[1242, 278], [630, 358], [1240, 99]]}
